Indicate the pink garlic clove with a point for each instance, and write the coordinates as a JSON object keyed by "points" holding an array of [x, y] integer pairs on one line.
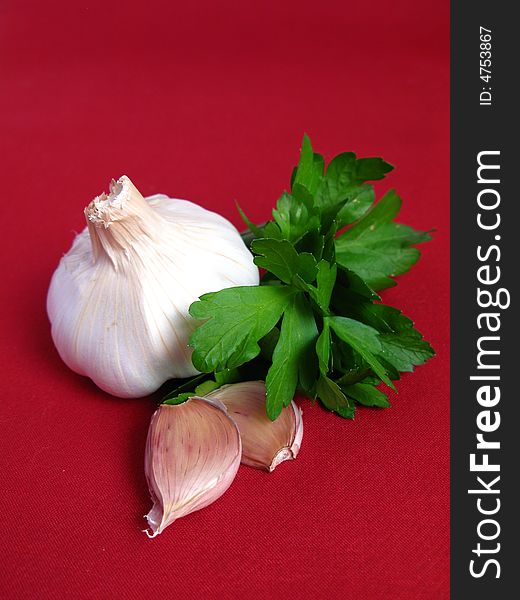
{"points": [[192, 455], [265, 443]]}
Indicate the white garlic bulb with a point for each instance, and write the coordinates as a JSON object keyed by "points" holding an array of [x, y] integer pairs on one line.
{"points": [[118, 301]]}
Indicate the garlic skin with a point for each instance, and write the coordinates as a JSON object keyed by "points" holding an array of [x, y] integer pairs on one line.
{"points": [[192, 455], [118, 301], [265, 443]]}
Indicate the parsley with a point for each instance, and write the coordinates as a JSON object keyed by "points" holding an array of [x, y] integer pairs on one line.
{"points": [[315, 323]]}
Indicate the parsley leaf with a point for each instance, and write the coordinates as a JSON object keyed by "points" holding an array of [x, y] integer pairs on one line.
{"points": [[323, 348], [333, 398], [376, 247], [281, 259], [298, 334], [342, 180], [402, 346], [237, 318], [358, 201], [309, 170], [314, 324], [325, 280], [366, 394], [294, 218], [364, 340], [404, 350]]}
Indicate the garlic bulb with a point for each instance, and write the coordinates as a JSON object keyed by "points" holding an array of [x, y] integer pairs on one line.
{"points": [[265, 443], [118, 301], [192, 456]]}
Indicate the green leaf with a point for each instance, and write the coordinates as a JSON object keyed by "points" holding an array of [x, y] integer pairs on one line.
{"points": [[281, 259], [298, 335], [319, 164], [206, 387], [277, 256], [254, 228], [392, 319], [294, 218], [227, 376], [342, 169], [333, 398], [384, 318], [325, 280], [271, 230], [366, 394], [268, 344], [301, 194], [358, 201], [339, 177], [179, 399], [364, 340], [402, 346], [308, 368], [313, 242], [377, 248], [309, 170], [357, 375], [329, 247], [351, 291], [237, 318], [350, 329], [323, 348], [342, 182], [405, 351], [307, 267], [372, 169]]}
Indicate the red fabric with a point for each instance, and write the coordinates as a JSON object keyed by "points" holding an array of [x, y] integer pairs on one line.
{"points": [[208, 101]]}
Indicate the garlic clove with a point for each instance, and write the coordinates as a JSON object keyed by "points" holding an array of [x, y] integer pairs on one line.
{"points": [[192, 455], [118, 301], [265, 443]]}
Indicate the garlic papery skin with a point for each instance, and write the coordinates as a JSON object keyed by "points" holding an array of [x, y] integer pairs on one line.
{"points": [[118, 301], [265, 443], [192, 455]]}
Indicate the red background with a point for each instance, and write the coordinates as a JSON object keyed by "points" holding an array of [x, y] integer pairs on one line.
{"points": [[209, 102]]}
